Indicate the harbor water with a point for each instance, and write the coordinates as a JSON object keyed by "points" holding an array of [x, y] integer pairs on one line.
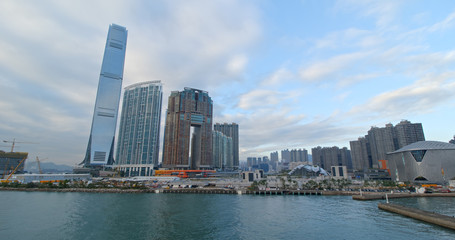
{"points": [[54, 215]]}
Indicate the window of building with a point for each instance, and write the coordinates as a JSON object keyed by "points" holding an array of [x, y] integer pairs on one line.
{"points": [[418, 155]]}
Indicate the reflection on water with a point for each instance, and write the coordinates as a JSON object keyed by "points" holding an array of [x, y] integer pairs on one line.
{"points": [[441, 205], [193, 216]]}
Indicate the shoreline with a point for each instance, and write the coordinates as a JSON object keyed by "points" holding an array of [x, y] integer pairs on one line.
{"points": [[355, 195], [187, 190]]}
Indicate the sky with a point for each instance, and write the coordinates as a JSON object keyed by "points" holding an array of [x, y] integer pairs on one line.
{"points": [[292, 74]]}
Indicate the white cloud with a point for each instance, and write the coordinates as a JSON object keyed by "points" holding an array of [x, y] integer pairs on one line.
{"points": [[385, 12], [328, 68], [419, 98], [237, 64], [352, 79], [261, 98], [280, 76]]}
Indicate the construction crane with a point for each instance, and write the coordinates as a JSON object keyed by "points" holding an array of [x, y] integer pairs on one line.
{"points": [[16, 169], [13, 143], [39, 166]]}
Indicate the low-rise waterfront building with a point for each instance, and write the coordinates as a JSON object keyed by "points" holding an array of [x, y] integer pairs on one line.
{"points": [[340, 172], [251, 176]]}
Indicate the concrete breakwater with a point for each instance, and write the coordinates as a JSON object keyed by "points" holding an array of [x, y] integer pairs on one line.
{"points": [[430, 217], [366, 197]]}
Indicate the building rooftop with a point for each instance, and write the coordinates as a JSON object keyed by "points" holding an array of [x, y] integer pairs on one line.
{"points": [[426, 145]]}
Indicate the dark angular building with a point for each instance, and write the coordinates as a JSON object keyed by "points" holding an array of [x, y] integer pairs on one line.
{"points": [[232, 131], [188, 130]]}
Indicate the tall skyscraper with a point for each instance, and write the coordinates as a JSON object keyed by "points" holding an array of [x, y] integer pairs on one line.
{"points": [[138, 139], [100, 149], [188, 130], [232, 131]]}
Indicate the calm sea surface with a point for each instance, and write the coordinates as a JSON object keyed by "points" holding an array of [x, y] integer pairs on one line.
{"points": [[49, 215]]}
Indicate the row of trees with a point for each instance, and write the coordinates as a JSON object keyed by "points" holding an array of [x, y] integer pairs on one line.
{"points": [[289, 184]]}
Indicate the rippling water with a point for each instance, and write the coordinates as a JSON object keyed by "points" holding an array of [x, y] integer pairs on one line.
{"points": [[48, 215]]}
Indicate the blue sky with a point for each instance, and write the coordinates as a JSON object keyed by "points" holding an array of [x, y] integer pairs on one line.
{"points": [[292, 74]]}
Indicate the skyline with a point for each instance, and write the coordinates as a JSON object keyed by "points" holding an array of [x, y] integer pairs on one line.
{"points": [[298, 74]]}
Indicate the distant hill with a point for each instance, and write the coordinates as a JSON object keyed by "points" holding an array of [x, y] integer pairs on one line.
{"points": [[47, 167]]}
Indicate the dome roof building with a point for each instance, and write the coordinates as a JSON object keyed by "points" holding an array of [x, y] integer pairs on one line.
{"points": [[424, 161]]}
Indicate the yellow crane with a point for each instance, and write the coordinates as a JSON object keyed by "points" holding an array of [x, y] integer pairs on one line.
{"points": [[15, 169], [39, 166], [13, 143]]}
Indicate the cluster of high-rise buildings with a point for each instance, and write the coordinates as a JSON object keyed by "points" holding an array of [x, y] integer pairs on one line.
{"points": [[368, 151], [289, 158], [326, 157], [190, 141]]}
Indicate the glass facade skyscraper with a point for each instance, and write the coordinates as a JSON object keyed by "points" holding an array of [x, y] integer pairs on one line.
{"points": [[222, 151], [232, 131], [100, 149], [139, 132]]}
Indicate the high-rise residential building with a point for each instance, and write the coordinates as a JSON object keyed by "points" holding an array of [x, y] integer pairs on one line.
{"points": [[188, 130], [100, 149], [359, 150], [299, 155], [249, 161], [285, 155], [331, 156], [407, 133], [369, 150], [274, 156], [138, 138], [381, 142], [222, 151], [232, 131]]}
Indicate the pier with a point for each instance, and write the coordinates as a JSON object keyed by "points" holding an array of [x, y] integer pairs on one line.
{"points": [[366, 197], [429, 217]]}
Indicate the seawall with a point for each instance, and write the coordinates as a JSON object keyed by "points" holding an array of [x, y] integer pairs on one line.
{"points": [[430, 217]]}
